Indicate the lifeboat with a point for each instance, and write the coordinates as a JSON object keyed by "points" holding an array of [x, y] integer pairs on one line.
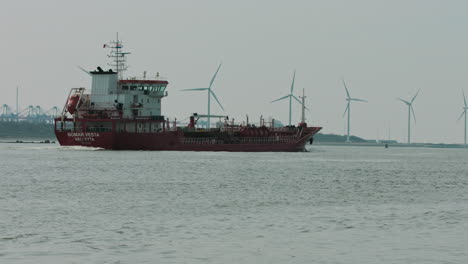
{"points": [[72, 103]]}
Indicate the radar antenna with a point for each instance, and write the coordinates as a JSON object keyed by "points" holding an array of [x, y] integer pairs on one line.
{"points": [[118, 57]]}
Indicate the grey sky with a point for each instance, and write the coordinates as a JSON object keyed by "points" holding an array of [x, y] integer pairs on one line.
{"points": [[383, 49]]}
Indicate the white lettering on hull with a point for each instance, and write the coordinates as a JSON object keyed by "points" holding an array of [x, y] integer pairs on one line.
{"points": [[83, 136]]}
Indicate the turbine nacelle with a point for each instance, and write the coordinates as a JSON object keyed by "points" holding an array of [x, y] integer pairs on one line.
{"points": [[465, 108], [410, 112], [410, 104], [290, 96], [210, 93], [348, 107], [348, 96]]}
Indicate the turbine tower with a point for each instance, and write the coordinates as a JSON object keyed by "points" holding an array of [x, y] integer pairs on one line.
{"points": [[464, 114], [410, 110], [291, 96], [348, 109], [210, 93]]}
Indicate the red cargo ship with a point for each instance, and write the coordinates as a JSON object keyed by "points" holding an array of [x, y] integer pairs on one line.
{"points": [[125, 114]]}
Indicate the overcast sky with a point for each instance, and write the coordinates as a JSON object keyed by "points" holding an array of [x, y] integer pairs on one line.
{"points": [[383, 49]]}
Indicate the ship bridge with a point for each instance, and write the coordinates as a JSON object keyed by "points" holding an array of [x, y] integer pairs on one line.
{"points": [[147, 86], [115, 96]]}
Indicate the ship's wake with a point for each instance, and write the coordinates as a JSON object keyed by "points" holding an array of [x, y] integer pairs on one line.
{"points": [[81, 148]]}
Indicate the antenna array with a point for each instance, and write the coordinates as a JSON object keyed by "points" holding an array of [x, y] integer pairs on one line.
{"points": [[119, 61]]}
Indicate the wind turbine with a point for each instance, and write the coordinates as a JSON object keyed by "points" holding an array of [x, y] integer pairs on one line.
{"points": [[464, 113], [348, 109], [410, 110], [210, 93], [291, 96]]}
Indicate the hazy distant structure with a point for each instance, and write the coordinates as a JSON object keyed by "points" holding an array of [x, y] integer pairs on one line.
{"points": [[410, 110], [34, 114], [291, 96], [210, 93], [348, 109], [7, 113], [17, 103], [464, 114]]}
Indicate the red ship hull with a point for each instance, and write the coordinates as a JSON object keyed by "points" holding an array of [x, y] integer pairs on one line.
{"points": [[175, 141], [125, 114]]}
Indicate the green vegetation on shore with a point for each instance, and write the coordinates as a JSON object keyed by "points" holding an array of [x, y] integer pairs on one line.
{"points": [[336, 138]]}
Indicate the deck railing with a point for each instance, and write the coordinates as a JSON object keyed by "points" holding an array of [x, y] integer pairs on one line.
{"points": [[95, 129], [240, 140]]}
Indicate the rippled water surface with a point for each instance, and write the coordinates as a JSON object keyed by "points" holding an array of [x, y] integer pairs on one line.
{"points": [[329, 205]]}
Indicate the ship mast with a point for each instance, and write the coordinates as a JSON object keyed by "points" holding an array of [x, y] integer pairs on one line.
{"points": [[118, 57], [303, 97]]}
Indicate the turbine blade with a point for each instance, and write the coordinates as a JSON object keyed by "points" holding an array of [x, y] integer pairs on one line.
{"points": [[284, 97], [292, 84], [346, 110], [346, 88], [355, 99], [464, 99], [412, 100], [412, 111], [463, 113], [214, 76], [406, 102], [195, 89], [216, 98], [299, 101]]}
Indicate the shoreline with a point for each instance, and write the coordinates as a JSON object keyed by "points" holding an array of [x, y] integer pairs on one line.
{"points": [[390, 145]]}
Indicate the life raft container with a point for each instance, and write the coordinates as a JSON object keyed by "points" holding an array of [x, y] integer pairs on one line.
{"points": [[72, 103]]}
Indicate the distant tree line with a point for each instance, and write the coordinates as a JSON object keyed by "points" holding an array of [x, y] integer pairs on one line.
{"points": [[336, 138]]}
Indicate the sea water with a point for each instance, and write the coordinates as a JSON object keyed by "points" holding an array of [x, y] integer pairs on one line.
{"points": [[329, 205]]}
